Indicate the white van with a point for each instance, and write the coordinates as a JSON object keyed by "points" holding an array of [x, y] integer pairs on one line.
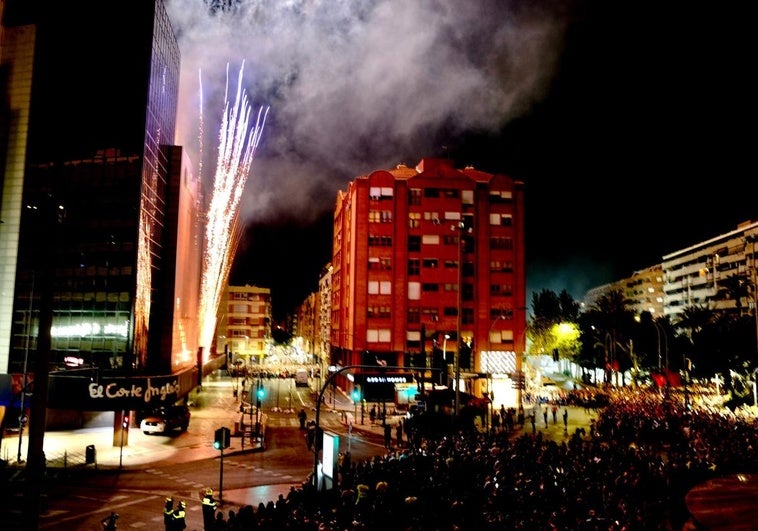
{"points": [[301, 378]]}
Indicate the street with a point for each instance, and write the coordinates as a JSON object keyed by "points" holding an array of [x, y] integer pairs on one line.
{"points": [[153, 467]]}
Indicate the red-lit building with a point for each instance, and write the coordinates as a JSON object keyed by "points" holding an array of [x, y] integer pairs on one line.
{"points": [[428, 272]]}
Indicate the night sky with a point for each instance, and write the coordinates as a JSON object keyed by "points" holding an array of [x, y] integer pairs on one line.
{"points": [[629, 123]]}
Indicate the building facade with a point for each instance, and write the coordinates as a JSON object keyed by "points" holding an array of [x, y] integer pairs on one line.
{"points": [[428, 274], [643, 289], [700, 275], [100, 240], [243, 329]]}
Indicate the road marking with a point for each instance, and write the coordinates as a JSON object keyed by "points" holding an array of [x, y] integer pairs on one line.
{"points": [[78, 516]]}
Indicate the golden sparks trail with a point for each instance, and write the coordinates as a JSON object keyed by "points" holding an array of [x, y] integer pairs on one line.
{"points": [[236, 150]]}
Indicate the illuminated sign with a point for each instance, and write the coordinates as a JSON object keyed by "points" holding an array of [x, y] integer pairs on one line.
{"points": [[385, 378]]}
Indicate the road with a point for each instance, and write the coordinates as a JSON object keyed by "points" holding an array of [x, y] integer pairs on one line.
{"points": [[134, 480]]}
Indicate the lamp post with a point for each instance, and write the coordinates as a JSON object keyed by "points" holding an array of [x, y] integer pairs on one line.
{"points": [[461, 228], [661, 332], [444, 348]]}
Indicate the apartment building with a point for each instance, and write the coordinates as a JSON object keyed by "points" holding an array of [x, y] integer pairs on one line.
{"points": [[702, 274], [428, 272], [643, 289], [243, 329]]}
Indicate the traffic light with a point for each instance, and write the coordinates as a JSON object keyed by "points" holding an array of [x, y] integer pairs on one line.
{"points": [[260, 392], [125, 422], [221, 438], [356, 394]]}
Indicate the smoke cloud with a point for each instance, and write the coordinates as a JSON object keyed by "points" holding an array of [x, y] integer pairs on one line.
{"points": [[357, 85]]}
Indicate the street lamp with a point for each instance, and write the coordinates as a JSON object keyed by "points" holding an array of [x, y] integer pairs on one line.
{"points": [[461, 228], [661, 332]]}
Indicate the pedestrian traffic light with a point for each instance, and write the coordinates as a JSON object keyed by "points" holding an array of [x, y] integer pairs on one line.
{"points": [[260, 392], [356, 395], [221, 438], [125, 422]]}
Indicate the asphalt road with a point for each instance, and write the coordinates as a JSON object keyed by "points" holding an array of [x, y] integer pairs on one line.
{"points": [[133, 480]]}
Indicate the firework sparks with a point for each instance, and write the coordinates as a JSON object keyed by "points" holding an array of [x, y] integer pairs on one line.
{"points": [[238, 141]]}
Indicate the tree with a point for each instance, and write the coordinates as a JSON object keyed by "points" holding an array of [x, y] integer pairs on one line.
{"points": [[606, 327], [553, 319]]}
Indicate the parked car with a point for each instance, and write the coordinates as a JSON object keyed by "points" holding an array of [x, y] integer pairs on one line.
{"points": [[165, 420]]}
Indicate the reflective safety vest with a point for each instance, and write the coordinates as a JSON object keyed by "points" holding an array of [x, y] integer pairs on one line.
{"points": [[180, 518], [209, 506]]}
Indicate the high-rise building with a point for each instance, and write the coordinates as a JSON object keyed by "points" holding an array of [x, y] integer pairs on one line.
{"points": [[428, 273], [100, 242], [244, 325]]}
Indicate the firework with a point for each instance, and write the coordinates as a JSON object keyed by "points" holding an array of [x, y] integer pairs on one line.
{"points": [[238, 141]]}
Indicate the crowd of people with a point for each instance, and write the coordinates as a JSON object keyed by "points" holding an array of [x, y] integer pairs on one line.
{"points": [[630, 471]]}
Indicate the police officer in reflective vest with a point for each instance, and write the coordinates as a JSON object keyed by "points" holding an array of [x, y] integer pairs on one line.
{"points": [[168, 513], [179, 518], [209, 510]]}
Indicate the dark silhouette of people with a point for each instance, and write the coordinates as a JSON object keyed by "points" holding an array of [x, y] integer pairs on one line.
{"points": [[302, 416], [109, 522], [168, 513]]}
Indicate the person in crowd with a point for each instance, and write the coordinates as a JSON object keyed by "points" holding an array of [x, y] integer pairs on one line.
{"points": [[179, 518], [168, 513], [109, 522], [302, 416], [209, 509]]}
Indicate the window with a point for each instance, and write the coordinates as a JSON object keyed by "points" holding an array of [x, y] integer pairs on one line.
{"points": [[430, 239], [373, 287], [414, 243], [430, 286], [376, 263], [450, 311], [414, 315], [376, 193], [378, 336], [467, 197], [414, 266], [414, 291], [414, 198], [506, 289], [379, 240], [501, 242], [385, 287], [467, 316], [431, 192], [431, 263], [500, 266], [496, 313], [501, 196], [378, 311], [430, 315], [503, 220], [414, 220]]}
